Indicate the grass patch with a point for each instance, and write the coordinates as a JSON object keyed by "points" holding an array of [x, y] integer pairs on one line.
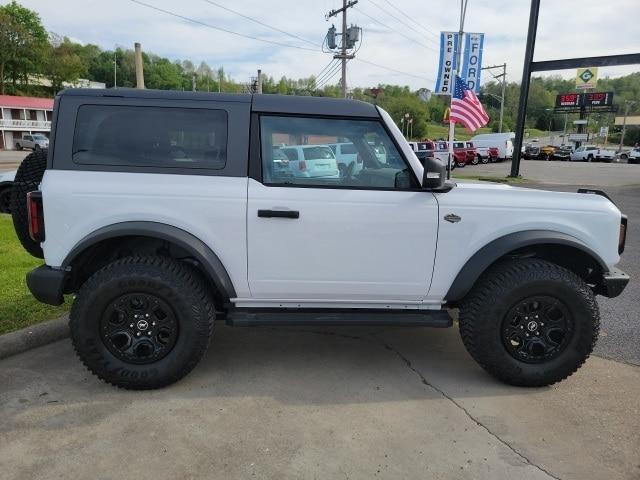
{"points": [[436, 131], [18, 309], [488, 178]]}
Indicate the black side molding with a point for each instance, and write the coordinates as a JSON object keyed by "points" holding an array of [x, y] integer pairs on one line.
{"points": [[247, 317], [214, 269], [500, 247], [46, 284]]}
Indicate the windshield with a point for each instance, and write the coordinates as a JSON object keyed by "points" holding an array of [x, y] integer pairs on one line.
{"points": [[39, 137]]}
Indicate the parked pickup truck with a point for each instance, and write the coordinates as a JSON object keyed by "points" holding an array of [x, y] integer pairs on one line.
{"points": [[33, 142], [591, 153], [487, 154], [203, 220]]}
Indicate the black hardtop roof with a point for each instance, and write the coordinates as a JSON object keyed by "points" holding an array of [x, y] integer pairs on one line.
{"points": [[267, 103]]}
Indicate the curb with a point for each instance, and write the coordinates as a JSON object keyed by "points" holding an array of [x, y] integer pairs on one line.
{"points": [[34, 336]]}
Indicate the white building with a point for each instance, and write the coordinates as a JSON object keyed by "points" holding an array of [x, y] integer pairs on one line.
{"points": [[23, 115]]}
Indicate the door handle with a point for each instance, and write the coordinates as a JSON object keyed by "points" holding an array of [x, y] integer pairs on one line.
{"points": [[278, 213]]}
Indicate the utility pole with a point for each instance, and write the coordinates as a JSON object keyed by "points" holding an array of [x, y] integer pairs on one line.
{"points": [[627, 106], [259, 83], [503, 76], [139, 70], [452, 126], [343, 48], [115, 69], [193, 81], [220, 76]]}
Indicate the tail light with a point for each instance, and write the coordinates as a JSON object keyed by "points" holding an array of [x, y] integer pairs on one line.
{"points": [[622, 239], [36, 216], [302, 165]]}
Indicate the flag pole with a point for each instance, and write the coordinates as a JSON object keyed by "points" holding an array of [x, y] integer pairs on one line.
{"points": [[452, 126]]}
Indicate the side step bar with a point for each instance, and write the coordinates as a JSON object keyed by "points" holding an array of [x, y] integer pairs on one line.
{"points": [[244, 317]]}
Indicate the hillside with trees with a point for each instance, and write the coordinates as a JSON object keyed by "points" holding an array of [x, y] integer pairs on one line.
{"points": [[29, 53]]}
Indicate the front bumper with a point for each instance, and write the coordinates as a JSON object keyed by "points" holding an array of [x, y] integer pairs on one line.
{"points": [[613, 283], [46, 284]]}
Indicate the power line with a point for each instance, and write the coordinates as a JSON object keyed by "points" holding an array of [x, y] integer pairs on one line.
{"points": [[325, 67], [411, 19], [396, 18], [396, 31], [215, 4], [360, 59], [221, 29], [328, 75]]}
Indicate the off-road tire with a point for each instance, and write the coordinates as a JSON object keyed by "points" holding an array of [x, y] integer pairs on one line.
{"points": [[506, 284], [5, 199], [176, 283], [27, 179]]}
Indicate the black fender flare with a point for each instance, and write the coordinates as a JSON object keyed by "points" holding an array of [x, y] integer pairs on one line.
{"points": [[501, 246], [214, 269]]}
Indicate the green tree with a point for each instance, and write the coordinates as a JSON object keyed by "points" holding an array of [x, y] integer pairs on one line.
{"points": [[23, 42], [62, 63]]}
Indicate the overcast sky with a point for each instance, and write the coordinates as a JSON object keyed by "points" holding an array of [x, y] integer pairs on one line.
{"points": [[407, 43]]}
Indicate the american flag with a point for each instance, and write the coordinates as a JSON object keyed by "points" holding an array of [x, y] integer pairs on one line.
{"points": [[466, 108]]}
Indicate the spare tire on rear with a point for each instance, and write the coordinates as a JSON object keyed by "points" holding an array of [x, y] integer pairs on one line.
{"points": [[27, 179]]}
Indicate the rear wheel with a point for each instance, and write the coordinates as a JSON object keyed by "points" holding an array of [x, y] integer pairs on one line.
{"points": [[18, 146], [142, 322], [27, 179], [477, 159], [530, 322], [484, 160]]}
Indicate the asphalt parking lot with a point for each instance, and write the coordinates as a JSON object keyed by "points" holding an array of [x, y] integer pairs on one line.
{"points": [[339, 402]]}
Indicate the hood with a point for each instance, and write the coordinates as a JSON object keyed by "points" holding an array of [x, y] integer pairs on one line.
{"points": [[490, 195], [7, 176]]}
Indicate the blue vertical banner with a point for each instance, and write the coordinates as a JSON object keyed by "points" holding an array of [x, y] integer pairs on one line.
{"points": [[449, 44], [472, 60]]}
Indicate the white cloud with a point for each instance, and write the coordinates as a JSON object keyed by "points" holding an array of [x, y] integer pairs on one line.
{"points": [[566, 29]]}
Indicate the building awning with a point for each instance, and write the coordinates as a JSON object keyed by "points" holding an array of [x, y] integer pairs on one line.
{"points": [[30, 103]]}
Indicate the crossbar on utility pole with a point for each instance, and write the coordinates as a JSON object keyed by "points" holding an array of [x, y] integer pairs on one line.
{"points": [[343, 50], [504, 81]]}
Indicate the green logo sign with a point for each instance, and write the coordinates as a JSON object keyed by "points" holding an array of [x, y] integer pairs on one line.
{"points": [[586, 76]]}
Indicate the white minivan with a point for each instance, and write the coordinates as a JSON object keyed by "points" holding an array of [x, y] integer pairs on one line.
{"points": [[503, 141], [311, 161]]}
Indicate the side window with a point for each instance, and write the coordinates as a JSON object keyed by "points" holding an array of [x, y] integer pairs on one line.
{"points": [[150, 137], [366, 158], [291, 153]]}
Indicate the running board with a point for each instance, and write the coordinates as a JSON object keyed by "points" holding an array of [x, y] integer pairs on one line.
{"points": [[338, 317]]}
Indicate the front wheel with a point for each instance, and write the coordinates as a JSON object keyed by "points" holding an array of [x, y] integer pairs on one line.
{"points": [[484, 160], [530, 322], [477, 159], [142, 322], [18, 146], [461, 164]]}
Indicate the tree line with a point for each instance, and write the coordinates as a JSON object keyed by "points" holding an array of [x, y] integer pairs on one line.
{"points": [[28, 54]]}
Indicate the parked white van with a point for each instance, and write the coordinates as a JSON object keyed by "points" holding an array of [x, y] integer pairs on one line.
{"points": [[503, 141]]}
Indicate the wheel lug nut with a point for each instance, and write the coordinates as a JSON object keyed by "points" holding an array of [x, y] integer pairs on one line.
{"points": [[521, 327], [147, 315], [131, 325], [138, 334], [153, 323]]}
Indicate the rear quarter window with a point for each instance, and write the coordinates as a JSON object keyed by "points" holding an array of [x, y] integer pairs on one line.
{"points": [[140, 136]]}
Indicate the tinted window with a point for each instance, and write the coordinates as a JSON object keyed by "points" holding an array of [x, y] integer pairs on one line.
{"points": [[150, 137], [291, 153], [368, 157], [348, 149]]}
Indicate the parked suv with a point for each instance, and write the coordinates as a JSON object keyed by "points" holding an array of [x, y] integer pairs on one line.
{"points": [[163, 211], [33, 142]]}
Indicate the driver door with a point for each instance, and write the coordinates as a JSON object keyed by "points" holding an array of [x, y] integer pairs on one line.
{"points": [[366, 234]]}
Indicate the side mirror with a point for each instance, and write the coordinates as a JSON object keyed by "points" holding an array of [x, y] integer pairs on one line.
{"points": [[435, 174]]}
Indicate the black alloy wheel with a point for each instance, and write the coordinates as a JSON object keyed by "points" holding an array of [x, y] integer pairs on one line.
{"points": [[537, 329], [139, 328]]}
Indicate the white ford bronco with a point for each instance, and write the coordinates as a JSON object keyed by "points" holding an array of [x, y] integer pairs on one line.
{"points": [[164, 211]]}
